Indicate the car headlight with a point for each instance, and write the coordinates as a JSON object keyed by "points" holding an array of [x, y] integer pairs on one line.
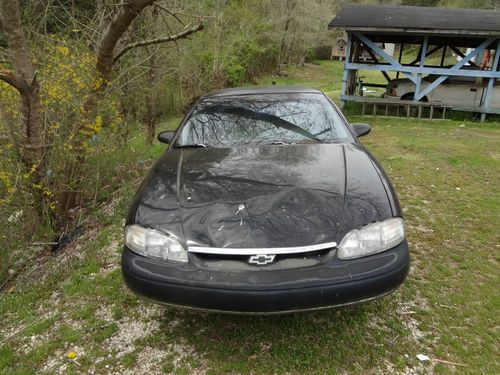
{"points": [[372, 239], [152, 243]]}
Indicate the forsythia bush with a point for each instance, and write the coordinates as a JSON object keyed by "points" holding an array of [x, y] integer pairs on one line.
{"points": [[78, 136]]}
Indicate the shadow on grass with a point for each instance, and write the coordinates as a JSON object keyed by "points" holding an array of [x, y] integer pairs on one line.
{"points": [[316, 341]]}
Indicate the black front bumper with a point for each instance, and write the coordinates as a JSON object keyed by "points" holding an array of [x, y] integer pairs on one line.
{"points": [[266, 290]]}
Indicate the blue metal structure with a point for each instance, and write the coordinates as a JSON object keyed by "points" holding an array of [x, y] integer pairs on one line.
{"points": [[368, 27]]}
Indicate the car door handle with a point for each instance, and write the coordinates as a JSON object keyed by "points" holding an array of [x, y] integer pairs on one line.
{"points": [[473, 90]]}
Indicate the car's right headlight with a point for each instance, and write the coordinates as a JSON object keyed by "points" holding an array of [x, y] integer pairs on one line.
{"points": [[152, 243], [372, 239]]}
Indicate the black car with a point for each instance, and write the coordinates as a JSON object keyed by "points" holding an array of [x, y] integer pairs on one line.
{"points": [[265, 202]]}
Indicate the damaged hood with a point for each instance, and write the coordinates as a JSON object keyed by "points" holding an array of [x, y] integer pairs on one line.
{"points": [[267, 196]]}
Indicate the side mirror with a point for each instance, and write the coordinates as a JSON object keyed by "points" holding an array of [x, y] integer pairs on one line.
{"points": [[361, 128], [166, 137]]}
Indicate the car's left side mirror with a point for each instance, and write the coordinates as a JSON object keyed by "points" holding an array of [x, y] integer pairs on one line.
{"points": [[361, 129], [166, 137]]}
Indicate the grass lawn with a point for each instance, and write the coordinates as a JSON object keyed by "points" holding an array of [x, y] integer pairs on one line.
{"points": [[447, 176]]}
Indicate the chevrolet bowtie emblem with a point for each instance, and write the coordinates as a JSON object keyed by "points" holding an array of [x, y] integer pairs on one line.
{"points": [[261, 259]]}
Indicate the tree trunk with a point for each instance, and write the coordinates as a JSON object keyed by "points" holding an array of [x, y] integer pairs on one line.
{"points": [[290, 5], [106, 56], [24, 80], [150, 115], [31, 110], [120, 23]]}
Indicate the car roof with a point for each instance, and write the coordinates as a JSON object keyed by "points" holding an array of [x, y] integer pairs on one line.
{"points": [[256, 90]]}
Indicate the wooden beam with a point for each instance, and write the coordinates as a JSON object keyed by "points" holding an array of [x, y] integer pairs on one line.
{"points": [[425, 70], [459, 53], [456, 68], [382, 53], [423, 54], [429, 53], [346, 69], [494, 67], [419, 55], [443, 56], [401, 46], [374, 57]]}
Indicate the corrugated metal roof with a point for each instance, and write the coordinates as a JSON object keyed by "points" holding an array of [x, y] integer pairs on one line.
{"points": [[417, 19]]}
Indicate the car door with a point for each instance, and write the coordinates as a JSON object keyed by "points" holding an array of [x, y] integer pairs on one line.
{"points": [[476, 89], [462, 91], [495, 95]]}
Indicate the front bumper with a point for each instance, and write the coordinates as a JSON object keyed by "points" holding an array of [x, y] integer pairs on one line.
{"points": [[265, 289]]}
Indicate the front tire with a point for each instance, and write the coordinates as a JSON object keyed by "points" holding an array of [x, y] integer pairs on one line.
{"points": [[411, 96]]}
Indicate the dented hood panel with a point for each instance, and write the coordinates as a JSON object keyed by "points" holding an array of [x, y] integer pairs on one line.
{"points": [[267, 196]]}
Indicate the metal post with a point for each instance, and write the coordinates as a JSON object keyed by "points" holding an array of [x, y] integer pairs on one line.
{"points": [[346, 70], [487, 97]]}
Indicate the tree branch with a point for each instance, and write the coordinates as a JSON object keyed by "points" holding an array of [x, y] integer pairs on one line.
{"points": [[10, 78], [117, 27], [24, 80], [170, 38], [169, 12]]}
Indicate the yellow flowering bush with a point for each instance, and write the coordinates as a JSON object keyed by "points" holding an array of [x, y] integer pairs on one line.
{"points": [[9, 111], [76, 135]]}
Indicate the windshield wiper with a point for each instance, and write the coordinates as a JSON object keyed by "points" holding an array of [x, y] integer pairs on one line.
{"points": [[194, 145], [256, 115]]}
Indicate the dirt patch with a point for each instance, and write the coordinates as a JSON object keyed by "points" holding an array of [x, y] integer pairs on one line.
{"points": [[59, 362], [110, 257], [407, 312], [151, 360], [475, 133], [129, 332]]}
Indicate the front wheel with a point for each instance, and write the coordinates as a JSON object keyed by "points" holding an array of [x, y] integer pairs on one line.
{"points": [[413, 109], [411, 96]]}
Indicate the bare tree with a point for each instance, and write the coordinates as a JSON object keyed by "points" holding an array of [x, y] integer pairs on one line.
{"points": [[150, 104], [284, 51], [106, 56], [23, 78], [20, 72], [117, 27]]}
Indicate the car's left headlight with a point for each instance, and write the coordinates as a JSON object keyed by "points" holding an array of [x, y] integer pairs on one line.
{"points": [[372, 239], [152, 243]]}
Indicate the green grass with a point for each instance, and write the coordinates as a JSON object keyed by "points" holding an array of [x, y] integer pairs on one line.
{"points": [[446, 174], [325, 76]]}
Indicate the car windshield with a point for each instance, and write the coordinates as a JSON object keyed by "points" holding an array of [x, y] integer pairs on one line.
{"points": [[263, 119]]}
